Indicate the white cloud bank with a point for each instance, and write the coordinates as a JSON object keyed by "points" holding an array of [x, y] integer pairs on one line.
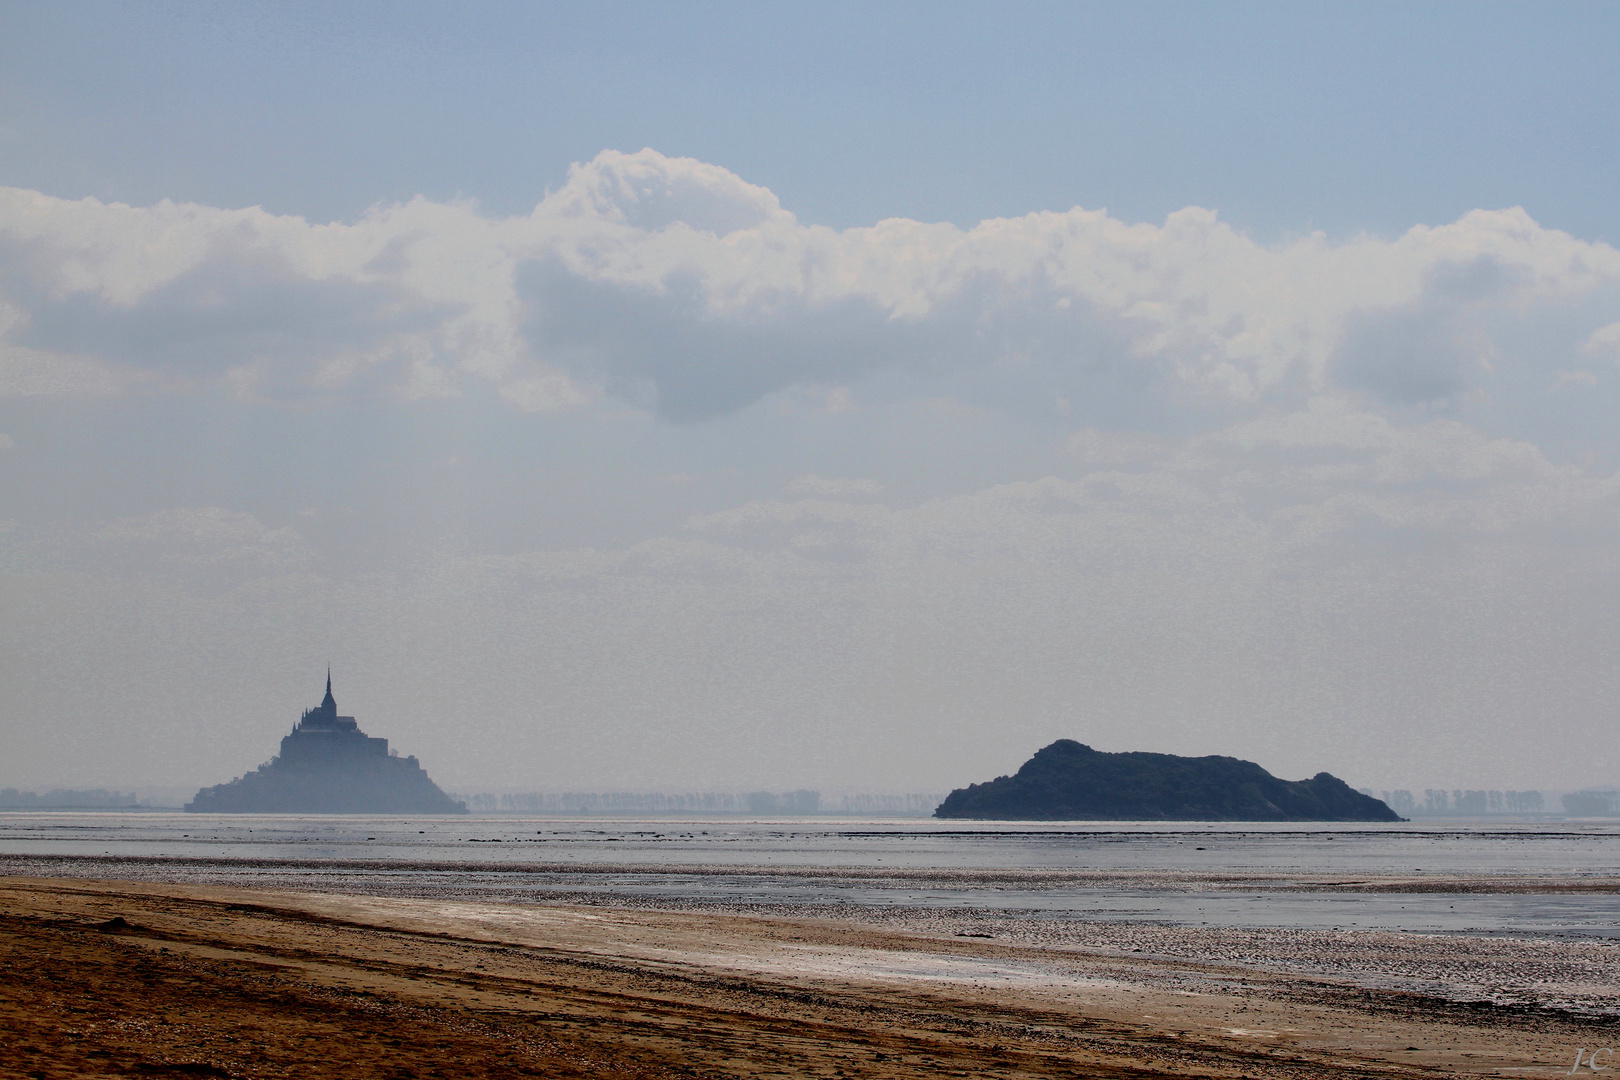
{"points": [[676, 285], [1326, 567]]}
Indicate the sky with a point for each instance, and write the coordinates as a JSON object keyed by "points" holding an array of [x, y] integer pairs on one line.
{"points": [[703, 397]]}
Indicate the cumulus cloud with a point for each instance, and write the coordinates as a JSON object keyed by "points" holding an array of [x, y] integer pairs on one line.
{"points": [[1604, 342], [678, 286], [245, 314], [649, 192], [1419, 352]]}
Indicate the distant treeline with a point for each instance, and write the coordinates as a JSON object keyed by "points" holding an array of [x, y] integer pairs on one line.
{"points": [[1592, 804], [64, 799], [1458, 803], [787, 803]]}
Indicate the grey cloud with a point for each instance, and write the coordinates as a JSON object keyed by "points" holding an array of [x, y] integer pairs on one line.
{"points": [[661, 350], [665, 350], [237, 306], [1433, 348]]}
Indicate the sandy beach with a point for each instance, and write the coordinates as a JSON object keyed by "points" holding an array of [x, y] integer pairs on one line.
{"points": [[117, 978]]}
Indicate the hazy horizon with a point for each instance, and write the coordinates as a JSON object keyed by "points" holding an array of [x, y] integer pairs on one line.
{"points": [[773, 399]]}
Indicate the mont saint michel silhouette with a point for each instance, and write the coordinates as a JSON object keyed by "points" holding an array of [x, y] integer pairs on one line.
{"points": [[327, 765]]}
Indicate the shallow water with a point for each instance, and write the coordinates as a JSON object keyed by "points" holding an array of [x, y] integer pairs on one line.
{"points": [[1215, 874]]}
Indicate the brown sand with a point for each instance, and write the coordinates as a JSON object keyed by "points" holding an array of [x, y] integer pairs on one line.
{"points": [[219, 981]]}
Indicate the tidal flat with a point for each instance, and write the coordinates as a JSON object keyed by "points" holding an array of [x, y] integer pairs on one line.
{"points": [[390, 947]]}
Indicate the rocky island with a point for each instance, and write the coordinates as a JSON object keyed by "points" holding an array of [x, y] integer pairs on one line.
{"points": [[1069, 781], [327, 765]]}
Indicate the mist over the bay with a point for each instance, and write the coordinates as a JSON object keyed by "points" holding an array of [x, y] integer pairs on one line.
{"points": [[774, 457]]}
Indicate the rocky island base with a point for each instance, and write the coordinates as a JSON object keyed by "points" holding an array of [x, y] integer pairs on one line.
{"points": [[1069, 781]]}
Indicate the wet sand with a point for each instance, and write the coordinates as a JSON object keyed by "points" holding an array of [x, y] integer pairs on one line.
{"points": [[210, 980]]}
